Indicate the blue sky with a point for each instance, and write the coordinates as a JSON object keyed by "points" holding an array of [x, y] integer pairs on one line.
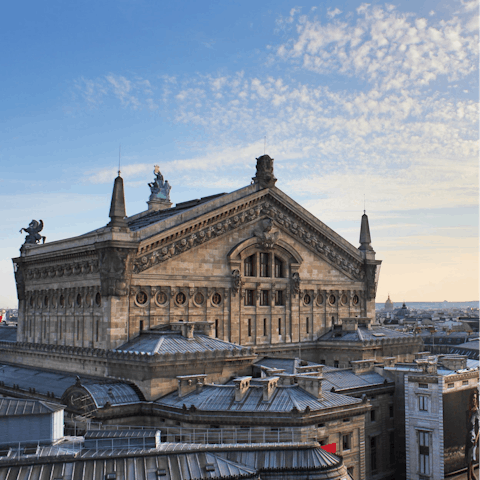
{"points": [[354, 99]]}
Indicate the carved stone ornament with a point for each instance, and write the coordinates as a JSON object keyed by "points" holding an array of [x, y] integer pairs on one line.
{"points": [[114, 271], [33, 230], [264, 233], [237, 282], [19, 280], [159, 189], [313, 239], [296, 283], [264, 175], [370, 271]]}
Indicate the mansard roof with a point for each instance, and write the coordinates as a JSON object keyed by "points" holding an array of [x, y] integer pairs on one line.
{"points": [[284, 399]]}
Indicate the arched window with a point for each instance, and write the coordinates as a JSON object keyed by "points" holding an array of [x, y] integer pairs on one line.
{"points": [[249, 266], [264, 265], [279, 273]]}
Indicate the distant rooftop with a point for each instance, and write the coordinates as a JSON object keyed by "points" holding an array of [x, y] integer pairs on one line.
{"points": [[18, 407], [363, 334]]}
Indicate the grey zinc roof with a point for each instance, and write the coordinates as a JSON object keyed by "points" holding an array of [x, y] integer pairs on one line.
{"points": [[139, 222], [18, 406], [42, 380], [342, 379], [172, 342], [363, 334], [287, 364], [284, 399], [8, 334], [114, 393]]}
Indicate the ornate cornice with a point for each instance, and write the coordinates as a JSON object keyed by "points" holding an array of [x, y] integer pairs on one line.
{"points": [[63, 270], [162, 249]]}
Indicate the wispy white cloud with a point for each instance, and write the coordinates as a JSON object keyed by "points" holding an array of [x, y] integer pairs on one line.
{"points": [[391, 50]]}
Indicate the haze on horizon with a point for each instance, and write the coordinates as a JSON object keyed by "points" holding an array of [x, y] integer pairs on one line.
{"points": [[377, 100]]}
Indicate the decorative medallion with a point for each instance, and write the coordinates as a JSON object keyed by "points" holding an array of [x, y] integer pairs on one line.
{"points": [[320, 299], [141, 298], [161, 298], [344, 299], [331, 299], [307, 299], [88, 300], [355, 300], [216, 298], [198, 299], [180, 299]]}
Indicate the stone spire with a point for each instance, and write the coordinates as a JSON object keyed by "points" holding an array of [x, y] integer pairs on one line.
{"points": [[365, 238], [264, 176], [117, 206]]}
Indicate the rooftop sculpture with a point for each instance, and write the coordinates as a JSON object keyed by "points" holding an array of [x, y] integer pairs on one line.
{"points": [[33, 230], [160, 190]]}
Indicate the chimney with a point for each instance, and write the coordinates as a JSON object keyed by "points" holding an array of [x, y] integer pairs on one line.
{"points": [[286, 379], [349, 324], [362, 366], [313, 369], [419, 355], [242, 384], [189, 383], [389, 361], [117, 206], [453, 362], [428, 365], [311, 384], [269, 385]]}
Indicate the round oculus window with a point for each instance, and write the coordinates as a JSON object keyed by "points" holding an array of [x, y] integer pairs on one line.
{"points": [[331, 299], [344, 299], [31, 301], [45, 301], [88, 299], [355, 300], [62, 301], [319, 299], [216, 298], [98, 299], [307, 299], [79, 300]]}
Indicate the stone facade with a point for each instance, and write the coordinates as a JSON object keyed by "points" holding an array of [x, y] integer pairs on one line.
{"points": [[254, 264]]}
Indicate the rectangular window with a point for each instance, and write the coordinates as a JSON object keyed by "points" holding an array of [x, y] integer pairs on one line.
{"points": [[216, 328], [278, 268], [424, 452], [97, 326], [423, 403], [307, 325], [392, 448], [372, 415], [279, 297], [423, 385], [451, 385], [465, 382], [249, 266], [390, 411], [279, 326], [249, 327], [264, 327], [373, 453], [249, 298], [346, 441], [264, 298], [264, 266], [335, 363]]}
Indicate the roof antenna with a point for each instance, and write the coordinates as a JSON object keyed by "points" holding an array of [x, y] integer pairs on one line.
{"points": [[119, 147], [264, 144], [364, 211]]}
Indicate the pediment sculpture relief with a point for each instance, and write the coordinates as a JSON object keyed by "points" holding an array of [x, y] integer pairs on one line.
{"points": [[264, 232]]}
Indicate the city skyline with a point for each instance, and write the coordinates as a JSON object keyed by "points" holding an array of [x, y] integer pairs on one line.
{"points": [[369, 105]]}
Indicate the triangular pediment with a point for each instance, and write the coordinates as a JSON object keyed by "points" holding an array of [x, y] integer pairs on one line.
{"points": [[286, 216]]}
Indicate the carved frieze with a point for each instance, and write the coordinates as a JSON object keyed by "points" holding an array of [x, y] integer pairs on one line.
{"points": [[115, 270], [75, 268], [311, 237]]}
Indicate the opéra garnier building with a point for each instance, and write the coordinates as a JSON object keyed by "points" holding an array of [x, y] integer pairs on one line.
{"points": [[251, 267]]}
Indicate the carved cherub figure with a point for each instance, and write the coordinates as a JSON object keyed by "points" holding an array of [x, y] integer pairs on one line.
{"points": [[33, 230]]}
